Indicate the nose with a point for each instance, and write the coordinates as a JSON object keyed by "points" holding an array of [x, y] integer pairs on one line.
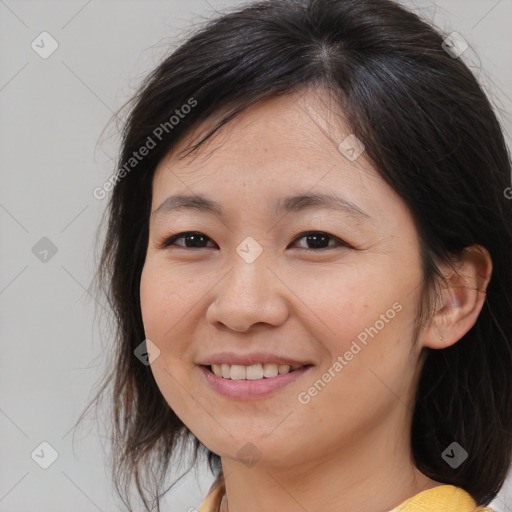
{"points": [[248, 294]]}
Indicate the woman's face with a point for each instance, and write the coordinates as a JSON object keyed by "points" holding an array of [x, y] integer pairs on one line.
{"points": [[251, 287]]}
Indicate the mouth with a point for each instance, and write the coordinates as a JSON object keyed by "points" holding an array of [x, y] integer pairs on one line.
{"points": [[256, 381], [252, 372]]}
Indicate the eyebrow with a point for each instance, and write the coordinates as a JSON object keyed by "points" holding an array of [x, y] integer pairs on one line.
{"points": [[296, 203]]}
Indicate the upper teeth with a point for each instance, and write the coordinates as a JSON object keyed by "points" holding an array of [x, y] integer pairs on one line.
{"points": [[252, 372]]}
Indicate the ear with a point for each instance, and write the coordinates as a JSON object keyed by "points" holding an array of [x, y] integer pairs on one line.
{"points": [[461, 299]]}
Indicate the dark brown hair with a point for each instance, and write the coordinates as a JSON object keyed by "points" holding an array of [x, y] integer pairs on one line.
{"points": [[432, 135]]}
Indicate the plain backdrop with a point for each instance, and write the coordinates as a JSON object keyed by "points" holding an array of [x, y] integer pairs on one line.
{"points": [[53, 153]]}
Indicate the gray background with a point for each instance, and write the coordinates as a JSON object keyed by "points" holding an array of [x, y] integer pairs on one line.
{"points": [[53, 153]]}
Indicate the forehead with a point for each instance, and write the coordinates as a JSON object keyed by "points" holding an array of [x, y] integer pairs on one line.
{"points": [[299, 132], [273, 151]]}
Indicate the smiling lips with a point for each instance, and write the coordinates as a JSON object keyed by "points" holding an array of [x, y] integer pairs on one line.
{"points": [[255, 366], [251, 375], [253, 371], [247, 389]]}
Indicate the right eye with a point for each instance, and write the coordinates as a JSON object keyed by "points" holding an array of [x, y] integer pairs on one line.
{"points": [[195, 240]]}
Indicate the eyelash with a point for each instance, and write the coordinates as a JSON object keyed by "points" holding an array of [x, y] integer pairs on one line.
{"points": [[168, 242]]}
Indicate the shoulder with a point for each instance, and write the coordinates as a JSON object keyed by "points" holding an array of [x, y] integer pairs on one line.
{"points": [[211, 503], [447, 498]]}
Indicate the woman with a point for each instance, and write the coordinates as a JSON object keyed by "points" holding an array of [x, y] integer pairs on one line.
{"points": [[308, 254]]}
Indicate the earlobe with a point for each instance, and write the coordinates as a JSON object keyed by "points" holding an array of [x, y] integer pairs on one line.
{"points": [[461, 298]]}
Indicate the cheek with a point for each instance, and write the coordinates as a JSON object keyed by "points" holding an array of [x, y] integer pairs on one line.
{"points": [[348, 301], [364, 321], [164, 300], [164, 307], [151, 295]]}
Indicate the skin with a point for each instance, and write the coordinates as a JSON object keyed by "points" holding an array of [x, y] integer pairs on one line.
{"points": [[350, 444]]}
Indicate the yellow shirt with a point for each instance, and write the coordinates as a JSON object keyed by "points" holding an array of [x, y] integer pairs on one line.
{"points": [[443, 498]]}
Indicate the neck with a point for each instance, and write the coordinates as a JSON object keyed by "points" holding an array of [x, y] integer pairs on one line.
{"points": [[367, 477]]}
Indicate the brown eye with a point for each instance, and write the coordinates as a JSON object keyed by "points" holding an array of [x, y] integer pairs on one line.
{"points": [[320, 240], [193, 239]]}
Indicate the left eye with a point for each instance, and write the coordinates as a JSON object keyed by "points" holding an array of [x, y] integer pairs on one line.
{"points": [[197, 239], [318, 238]]}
